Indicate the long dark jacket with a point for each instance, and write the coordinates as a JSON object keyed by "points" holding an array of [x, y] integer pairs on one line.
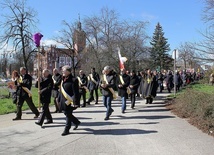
{"points": [[26, 82], [71, 86], [135, 81], [150, 86], [57, 81], [46, 86], [111, 84], [91, 84], [122, 92], [169, 80]]}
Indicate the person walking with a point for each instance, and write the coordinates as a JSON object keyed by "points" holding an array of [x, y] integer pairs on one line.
{"points": [[24, 84], [83, 81], [93, 83], [123, 82], [107, 85], [57, 78], [134, 84], [150, 87], [46, 86], [69, 98]]}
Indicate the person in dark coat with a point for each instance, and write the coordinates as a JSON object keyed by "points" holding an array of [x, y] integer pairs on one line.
{"points": [[107, 84], [134, 83], [57, 78], [178, 81], [140, 88], [160, 78], [150, 87], [24, 94], [93, 83], [46, 85], [123, 82], [83, 81], [169, 81], [69, 98]]}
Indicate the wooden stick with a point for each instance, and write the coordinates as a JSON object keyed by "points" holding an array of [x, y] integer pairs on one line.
{"points": [[38, 63]]}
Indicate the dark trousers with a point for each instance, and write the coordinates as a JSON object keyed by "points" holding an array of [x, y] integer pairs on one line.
{"points": [[70, 118], [83, 94], [30, 104], [133, 99], [107, 103], [45, 113], [149, 100], [91, 97]]}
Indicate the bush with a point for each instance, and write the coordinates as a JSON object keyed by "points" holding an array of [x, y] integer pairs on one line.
{"points": [[197, 106]]}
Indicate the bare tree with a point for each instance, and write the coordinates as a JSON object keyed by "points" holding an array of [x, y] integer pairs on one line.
{"points": [[100, 31], [17, 27], [105, 32], [208, 12], [186, 54], [205, 48]]}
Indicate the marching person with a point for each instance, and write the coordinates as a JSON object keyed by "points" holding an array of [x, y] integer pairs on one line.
{"points": [[46, 85], [83, 81], [123, 82], [169, 81], [93, 83], [107, 85], [24, 84], [134, 83], [57, 78], [150, 87], [69, 98], [13, 85]]}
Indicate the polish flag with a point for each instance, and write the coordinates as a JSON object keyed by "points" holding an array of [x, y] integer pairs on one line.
{"points": [[121, 59]]}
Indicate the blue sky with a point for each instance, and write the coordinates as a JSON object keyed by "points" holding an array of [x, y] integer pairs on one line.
{"points": [[181, 19]]}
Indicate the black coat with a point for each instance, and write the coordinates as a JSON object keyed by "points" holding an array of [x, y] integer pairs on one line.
{"points": [[57, 81], [71, 86], [135, 81], [122, 92], [111, 84], [150, 86], [84, 81], [91, 84], [46, 86], [26, 82]]}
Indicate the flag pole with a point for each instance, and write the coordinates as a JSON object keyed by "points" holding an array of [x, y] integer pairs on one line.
{"points": [[36, 38], [38, 63]]}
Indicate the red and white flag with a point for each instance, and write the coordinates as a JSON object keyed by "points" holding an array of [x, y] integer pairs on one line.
{"points": [[121, 59]]}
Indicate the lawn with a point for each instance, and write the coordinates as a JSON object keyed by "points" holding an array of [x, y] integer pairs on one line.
{"points": [[7, 105]]}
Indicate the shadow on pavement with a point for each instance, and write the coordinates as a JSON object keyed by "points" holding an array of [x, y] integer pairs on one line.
{"points": [[153, 110], [115, 131], [148, 123], [140, 117]]}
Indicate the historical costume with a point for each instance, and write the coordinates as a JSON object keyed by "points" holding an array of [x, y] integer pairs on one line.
{"points": [[150, 87]]}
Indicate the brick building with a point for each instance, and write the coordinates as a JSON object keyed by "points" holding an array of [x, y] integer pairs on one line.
{"points": [[53, 57]]}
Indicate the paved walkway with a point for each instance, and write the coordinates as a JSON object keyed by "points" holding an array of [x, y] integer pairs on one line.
{"points": [[145, 130]]}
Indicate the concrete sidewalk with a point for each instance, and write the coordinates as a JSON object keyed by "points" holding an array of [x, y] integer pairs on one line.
{"points": [[146, 130]]}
